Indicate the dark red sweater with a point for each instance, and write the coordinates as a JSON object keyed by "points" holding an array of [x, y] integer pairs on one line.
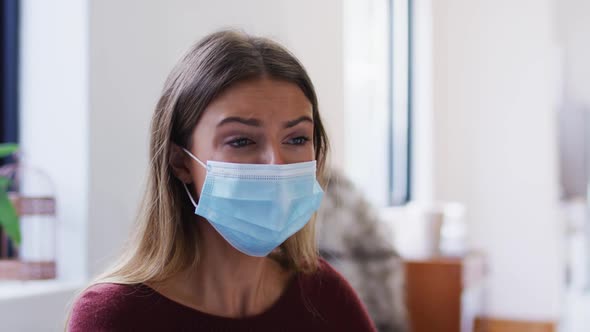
{"points": [[323, 301]]}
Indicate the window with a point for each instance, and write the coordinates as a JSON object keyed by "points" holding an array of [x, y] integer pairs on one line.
{"points": [[377, 71]]}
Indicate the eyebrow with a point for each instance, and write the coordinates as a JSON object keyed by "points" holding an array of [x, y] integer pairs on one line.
{"points": [[295, 122], [258, 123], [249, 122]]}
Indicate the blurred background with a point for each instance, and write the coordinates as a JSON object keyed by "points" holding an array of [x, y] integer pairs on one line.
{"points": [[460, 134]]}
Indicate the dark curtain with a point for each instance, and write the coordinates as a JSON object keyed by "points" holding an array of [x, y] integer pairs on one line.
{"points": [[9, 49]]}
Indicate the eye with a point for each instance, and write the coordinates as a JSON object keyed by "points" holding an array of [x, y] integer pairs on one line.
{"points": [[301, 140], [240, 142]]}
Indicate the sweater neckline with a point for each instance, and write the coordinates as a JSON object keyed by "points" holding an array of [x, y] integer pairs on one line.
{"points": [[288, 293]]}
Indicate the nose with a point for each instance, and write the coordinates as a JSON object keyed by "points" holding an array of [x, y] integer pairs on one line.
{"points": [[274, 155]]}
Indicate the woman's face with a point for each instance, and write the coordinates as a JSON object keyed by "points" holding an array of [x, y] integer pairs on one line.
{"points": [[260, 121]]}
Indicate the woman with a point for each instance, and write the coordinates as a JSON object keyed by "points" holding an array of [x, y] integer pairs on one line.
{"points": [[226, 241]]}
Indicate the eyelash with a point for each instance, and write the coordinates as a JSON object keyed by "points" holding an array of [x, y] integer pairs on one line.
{"points": [[242, 142], [304, 139]]}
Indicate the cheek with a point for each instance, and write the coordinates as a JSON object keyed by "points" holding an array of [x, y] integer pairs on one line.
{"points": [[311, 151], [202, 148], [310, 154], [198, 174]]}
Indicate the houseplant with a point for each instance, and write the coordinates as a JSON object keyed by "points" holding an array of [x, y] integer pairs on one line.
{"points": [[8, 214]]}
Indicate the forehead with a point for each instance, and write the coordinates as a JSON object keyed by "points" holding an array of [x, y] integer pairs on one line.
{"points": [[263, 98]]}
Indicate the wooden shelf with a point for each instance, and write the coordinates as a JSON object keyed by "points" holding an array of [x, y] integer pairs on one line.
{"points": [[444, 294]]}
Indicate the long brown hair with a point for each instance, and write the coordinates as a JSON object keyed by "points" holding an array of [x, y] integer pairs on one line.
{"points": [[165, 237]]}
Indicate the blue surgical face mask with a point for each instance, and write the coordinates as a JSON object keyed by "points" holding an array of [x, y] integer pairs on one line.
{"points": [[256, 207]]}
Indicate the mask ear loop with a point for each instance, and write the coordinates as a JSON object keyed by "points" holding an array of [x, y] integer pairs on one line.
{"points": [[195, 158], [189, 195], [184, 184]]}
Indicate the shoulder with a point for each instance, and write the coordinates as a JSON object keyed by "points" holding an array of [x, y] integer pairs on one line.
{"points": [[328, 279], [334, 298], [326, 273], [103, 306]]}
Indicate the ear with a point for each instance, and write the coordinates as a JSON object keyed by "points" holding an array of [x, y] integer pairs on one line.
{"points": [[179, 162]]}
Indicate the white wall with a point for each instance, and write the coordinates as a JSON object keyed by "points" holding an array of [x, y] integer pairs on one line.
{"points": [[54, 115], [574, 34], [423, 163], [134, 44], [496, 82]]}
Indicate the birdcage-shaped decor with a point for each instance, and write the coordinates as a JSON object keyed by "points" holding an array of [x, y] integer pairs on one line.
{"points": [[27, 246]]}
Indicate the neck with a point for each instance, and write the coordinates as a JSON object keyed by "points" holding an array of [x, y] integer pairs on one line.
{"points": [[230, 283]]}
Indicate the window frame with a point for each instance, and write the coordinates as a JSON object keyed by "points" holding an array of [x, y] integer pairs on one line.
{"points": [[400, 103]]}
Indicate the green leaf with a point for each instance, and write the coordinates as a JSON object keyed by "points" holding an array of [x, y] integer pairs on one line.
{"points": [[9, 218], [7, 149], [4, 182]]}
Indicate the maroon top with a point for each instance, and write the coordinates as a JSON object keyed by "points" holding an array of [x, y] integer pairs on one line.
{"points": [[322, 301]]}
